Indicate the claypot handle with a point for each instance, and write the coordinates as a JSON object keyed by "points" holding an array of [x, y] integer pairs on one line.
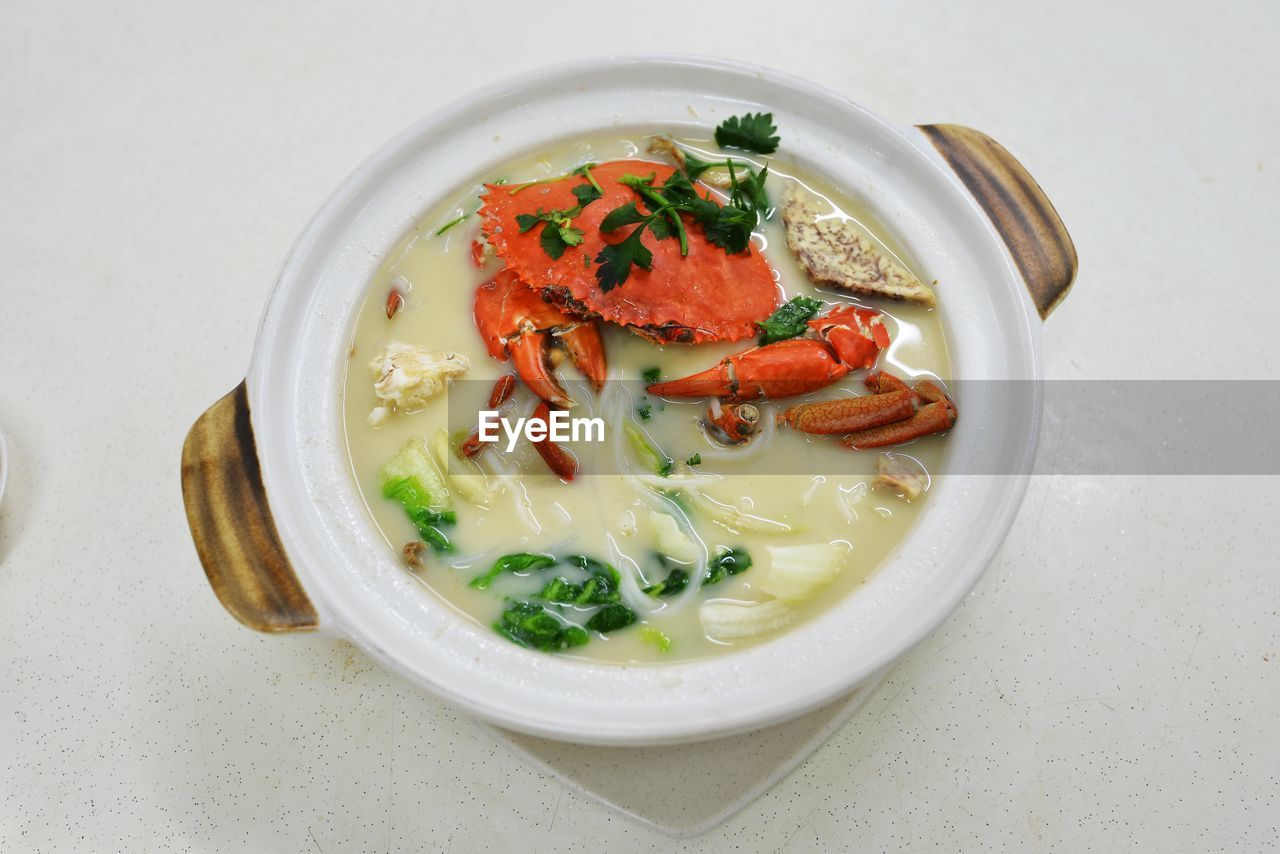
{"points": [[231, 523], [1016, 206]]}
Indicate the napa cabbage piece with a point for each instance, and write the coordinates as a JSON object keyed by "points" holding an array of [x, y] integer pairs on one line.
{"points": [[722, 620], [672, 541], [646, 450], [412, 478], [465, 475], [795, 572], [733, 518]]}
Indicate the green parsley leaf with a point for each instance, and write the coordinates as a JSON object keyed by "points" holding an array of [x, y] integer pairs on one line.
{"points": [[788, 320], [751, 132], [619, 217], [553, 239], [528, 221], [615, 260], [652, 375], [586, 194], [645, 411], [732, 229]]}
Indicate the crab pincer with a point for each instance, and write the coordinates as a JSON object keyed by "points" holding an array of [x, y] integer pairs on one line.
{"points": [[517, 324]]}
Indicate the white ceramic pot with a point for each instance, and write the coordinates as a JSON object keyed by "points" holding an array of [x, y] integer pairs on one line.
{"points": [[287, 543]]}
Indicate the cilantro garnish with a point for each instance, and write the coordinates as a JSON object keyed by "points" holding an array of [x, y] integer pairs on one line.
{"points": [[645, 411], [652, 375], [788, 320], [751, 132], [695, 460], [727, 226], [558, 232]]}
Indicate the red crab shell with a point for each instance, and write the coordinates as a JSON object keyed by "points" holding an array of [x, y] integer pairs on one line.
{"points": [[707, 295]]}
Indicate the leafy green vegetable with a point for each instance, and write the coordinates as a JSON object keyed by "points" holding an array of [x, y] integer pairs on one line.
{"points": [[536, 627], [652, 375], [645, 411], [695, 460], [750, 132], [518, 562], [788, 320], [611, 617], [412, 479], [726, 563], [651, 456], [600, 589]]}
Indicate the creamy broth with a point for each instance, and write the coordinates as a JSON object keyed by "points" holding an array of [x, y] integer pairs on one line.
{"points": [[819, 489]]}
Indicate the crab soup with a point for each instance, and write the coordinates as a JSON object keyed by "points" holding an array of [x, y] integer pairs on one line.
{"points": [[756, 362]]}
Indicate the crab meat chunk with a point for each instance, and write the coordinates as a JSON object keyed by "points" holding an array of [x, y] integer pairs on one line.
{"points": [[901, 474], [409, 375]]}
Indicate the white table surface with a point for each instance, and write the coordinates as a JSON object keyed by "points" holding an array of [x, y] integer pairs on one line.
{"points": [[1113, 681]]}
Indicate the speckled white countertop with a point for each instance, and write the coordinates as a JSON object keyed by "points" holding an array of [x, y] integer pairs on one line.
{"points": [[1113, 683]]}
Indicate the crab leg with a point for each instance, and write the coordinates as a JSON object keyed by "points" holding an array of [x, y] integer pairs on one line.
{"points": [[851, 414], [881, 382], [936, 416], [795, 366], [560, 461]]}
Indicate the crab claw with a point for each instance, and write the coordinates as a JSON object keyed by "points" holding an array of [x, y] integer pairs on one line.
{"points": [[586, 351], [783, 369], [528, 349], [516, 323], [856, 334]]}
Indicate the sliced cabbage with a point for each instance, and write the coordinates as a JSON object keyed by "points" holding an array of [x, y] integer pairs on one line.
{"points": [[672, 541], [466, 475], [723, 620], [733, 518], [795, 572]]}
